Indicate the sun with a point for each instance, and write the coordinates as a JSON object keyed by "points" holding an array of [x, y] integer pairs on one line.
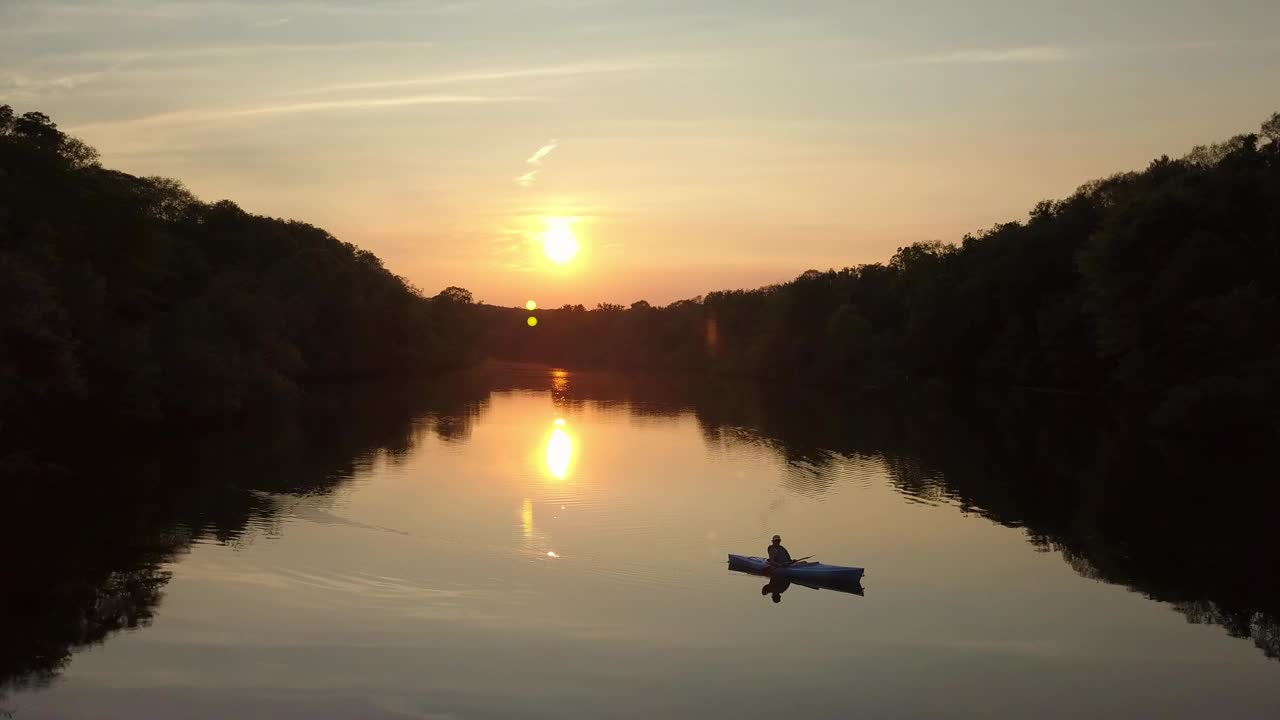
{"points": [[558, 240]]}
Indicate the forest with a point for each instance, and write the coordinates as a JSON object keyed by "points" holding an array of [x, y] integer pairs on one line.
{"points": [[1160, 287], [126, 301]]}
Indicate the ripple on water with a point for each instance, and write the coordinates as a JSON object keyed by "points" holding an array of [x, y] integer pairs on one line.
{"points": [[320, 584], [619, 572]]}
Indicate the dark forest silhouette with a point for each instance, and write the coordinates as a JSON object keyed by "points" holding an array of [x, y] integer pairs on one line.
{"points": [[125, 300], [1161, 285]]}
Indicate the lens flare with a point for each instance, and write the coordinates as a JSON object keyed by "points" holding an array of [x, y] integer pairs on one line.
{"points": [[532, 321]]}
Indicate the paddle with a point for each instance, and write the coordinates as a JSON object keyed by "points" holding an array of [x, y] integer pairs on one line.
{"points": [[789, 563]]}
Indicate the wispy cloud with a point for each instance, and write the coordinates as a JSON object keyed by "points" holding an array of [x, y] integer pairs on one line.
{"points": [[1039, 54], [270, 23], [197, 117], [986, 56], [369, 103], [566, 70], [112, 62], [126, 55], [509, 248], [527, 179], [26, 84], [545, 150], [66, 13]]}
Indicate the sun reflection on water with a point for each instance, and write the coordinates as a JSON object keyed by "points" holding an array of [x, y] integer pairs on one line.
{"points": [[559, 381], [526, 518], [559, 451]]}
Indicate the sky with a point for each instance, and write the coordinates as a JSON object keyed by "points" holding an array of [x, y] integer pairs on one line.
{"points": [[691, 146]]}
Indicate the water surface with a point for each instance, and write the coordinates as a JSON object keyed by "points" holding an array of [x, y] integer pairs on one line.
{"points": [[548, 544]]}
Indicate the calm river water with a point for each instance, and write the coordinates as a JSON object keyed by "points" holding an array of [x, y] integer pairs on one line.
{"points": [[529, 543]]}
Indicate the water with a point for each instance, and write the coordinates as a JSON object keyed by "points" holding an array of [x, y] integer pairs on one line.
{"points": [[544, 544]]}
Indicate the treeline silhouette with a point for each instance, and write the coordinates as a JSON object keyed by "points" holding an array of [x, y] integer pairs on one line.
{"points": [[126, 300], [1160, 284]]}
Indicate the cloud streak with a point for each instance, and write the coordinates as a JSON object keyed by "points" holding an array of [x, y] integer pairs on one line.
{"points": [[66, 13], [126, 55], [198, 117], [990, 56], [25, 84], [545, 150], [527, 179], [567, 70], [1041, 54], [124, 60]]}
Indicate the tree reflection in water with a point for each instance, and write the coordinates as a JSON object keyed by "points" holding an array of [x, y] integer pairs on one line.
{"points": [[84, 547]]}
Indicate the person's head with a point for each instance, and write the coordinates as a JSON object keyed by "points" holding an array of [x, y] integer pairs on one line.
{"points": [[777, 539]]}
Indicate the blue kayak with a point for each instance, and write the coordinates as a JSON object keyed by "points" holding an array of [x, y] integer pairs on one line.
{"points": [[816, 571]]}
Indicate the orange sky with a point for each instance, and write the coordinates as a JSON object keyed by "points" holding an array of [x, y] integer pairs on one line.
{"points": [[701, 146]]}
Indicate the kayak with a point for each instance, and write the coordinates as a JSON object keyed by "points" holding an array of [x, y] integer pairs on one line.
{"points": [[816, 571]]}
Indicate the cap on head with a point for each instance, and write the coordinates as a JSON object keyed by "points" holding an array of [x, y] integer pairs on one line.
{"points": [[777, 538]]}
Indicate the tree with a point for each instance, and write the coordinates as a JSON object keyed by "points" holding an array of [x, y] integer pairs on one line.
{"points": [[1271, 129], [455, 295]]}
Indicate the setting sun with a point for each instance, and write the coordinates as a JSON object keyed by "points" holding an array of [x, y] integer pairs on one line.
{"points": [[558, 240]]}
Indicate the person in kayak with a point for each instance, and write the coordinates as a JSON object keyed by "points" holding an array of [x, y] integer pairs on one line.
{"points": [[778, 555]]}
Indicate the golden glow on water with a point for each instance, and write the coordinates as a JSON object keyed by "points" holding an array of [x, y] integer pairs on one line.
{"points": [[658, 500], [559, 451], [559, 381]]}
